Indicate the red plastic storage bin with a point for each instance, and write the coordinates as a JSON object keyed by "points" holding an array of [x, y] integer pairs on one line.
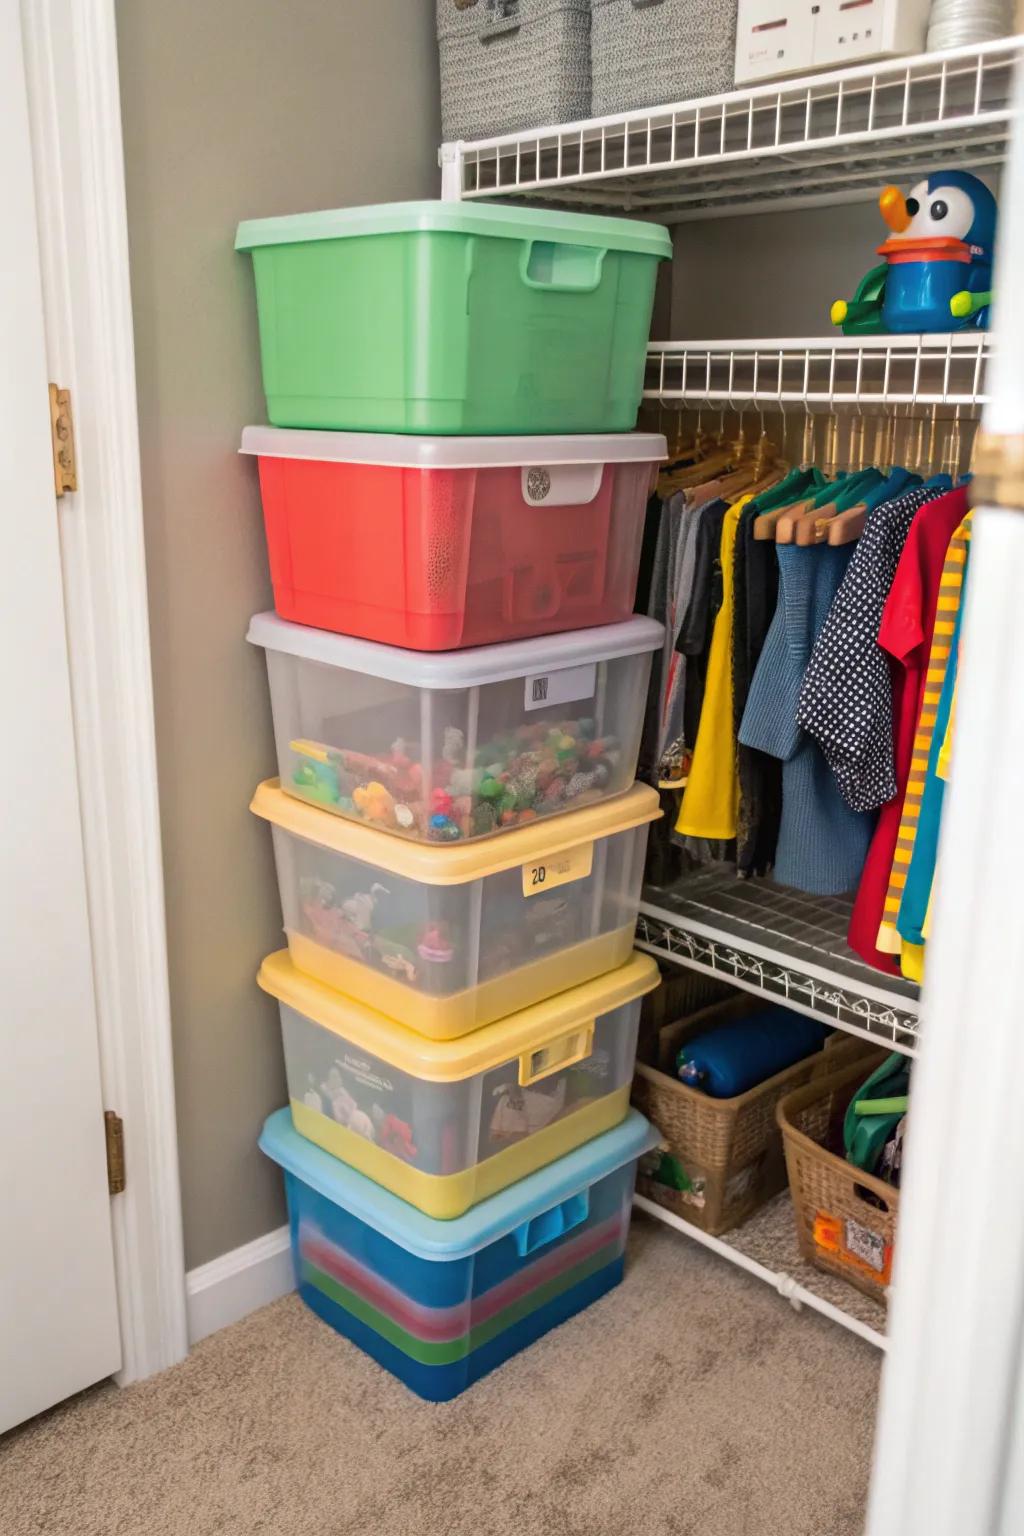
{"points": [[435, 543]]}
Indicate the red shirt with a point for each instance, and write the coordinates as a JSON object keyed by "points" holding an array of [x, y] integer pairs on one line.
{"points": [[906, 633]]}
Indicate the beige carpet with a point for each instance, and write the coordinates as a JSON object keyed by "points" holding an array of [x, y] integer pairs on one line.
{"points": [[690, 1402]]}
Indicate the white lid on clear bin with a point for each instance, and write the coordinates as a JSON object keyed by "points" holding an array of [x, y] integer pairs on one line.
{"points": [[471, 668], [398, 451]]}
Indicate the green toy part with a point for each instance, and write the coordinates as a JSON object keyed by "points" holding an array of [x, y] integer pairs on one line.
{"points": [[869, 1122], [862, 315], [964, 304]]}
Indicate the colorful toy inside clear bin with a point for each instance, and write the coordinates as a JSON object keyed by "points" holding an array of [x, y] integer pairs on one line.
{"points": [[447, 938], [450, 747], [441, 1303], [445, 1124]]}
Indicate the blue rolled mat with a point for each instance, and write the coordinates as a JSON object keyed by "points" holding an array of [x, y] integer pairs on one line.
{"points": [[733, 1057]]}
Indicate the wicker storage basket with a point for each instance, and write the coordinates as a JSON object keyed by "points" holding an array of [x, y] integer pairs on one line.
{"points": [[727, 1153], [649, 52], [846, 1220], [511, 64], [680, 994]]}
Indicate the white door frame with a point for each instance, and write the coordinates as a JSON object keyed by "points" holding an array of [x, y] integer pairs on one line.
{"points": [[949, 1454], [75, 109]]}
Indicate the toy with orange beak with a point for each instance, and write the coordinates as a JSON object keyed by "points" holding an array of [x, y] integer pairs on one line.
{"points": [[937, 272]]}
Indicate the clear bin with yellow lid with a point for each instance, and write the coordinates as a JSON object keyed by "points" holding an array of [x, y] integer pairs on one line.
{"points": [[447, 939], [445, 1124]]}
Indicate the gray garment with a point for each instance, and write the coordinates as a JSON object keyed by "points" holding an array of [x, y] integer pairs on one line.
{"points": [[663, 605], [673, 661]]}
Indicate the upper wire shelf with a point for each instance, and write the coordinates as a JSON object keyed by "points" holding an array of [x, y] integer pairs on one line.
{"points": [[815, 374], [810, 142]]}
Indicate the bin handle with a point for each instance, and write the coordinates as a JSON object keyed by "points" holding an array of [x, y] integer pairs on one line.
{"points": [[555, 1054], [504, 18], [641, 4], [559, 268], [542, 1229]]}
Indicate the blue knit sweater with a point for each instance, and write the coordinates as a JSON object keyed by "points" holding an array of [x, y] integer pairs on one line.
{"points": [[822, 843]]}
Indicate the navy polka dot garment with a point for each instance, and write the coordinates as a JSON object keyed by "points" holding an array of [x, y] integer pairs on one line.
{"points": [[846, 698]]}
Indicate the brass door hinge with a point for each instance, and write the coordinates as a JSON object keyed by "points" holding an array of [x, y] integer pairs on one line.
{"points": [[114, 1127], [62, 432]]}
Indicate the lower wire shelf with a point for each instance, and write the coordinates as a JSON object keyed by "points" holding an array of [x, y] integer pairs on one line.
{"points": [[776, 942], [766, 1247]]}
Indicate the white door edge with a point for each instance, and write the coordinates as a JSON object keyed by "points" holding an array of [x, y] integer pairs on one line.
{"points": [[74, 102]]}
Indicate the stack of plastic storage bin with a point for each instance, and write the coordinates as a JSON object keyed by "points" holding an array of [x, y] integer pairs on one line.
{"points": [[458, 685]]}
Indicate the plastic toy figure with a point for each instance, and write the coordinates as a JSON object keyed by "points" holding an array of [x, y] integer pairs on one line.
{"points": [[937, 272]]}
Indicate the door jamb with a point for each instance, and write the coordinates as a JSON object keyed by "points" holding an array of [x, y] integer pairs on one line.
{"points": [[74, 103]]}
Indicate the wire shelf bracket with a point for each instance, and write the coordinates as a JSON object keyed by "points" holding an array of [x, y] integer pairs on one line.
{"points": [[811, 142]]}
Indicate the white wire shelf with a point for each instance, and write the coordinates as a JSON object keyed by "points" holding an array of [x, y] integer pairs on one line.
{"points": [[777, 943], [822, 374], [766, 1247], [810, 142]]}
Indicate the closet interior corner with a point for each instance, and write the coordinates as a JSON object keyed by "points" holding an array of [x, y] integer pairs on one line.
{"points": [[807, 548]]}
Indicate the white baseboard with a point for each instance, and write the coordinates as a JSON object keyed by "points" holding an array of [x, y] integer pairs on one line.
{"points": [[229, 1288]]}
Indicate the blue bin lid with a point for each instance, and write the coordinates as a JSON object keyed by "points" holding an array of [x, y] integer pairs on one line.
{"points": [[484, 1223]]}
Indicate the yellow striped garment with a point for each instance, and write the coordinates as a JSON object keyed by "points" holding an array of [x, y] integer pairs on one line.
{"points": [[950, 589]]}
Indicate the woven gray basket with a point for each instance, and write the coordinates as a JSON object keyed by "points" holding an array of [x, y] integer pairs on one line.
{"points": [[649, 52], [511, 64]]}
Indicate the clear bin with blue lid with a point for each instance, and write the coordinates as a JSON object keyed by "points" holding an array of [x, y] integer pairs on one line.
{"points": [[440, 1303]]}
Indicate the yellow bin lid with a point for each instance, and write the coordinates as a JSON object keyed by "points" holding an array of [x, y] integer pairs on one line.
{"points": [[458, 863], [546, 1037]]}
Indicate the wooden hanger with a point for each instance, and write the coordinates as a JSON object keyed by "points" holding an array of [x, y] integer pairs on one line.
{"points": [[766, 469]]}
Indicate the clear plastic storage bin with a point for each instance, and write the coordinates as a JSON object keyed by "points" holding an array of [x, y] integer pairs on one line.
{"points": [[440, 542], [445, 1124], [444, 748], [454, 317], [447, 939], [441, 1303]]}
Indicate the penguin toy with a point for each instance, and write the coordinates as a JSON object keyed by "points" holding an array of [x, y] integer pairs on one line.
{"points": [[937, 271]]}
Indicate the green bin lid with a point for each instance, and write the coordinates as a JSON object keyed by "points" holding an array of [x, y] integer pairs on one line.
{"points": [[472, 218]]}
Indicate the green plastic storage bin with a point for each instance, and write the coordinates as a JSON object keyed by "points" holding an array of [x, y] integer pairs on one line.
{"points": [[464, 318]]}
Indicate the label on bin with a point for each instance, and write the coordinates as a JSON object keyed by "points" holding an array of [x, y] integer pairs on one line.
{"points": [[561, 687], [561, 868], [866, 1246]]}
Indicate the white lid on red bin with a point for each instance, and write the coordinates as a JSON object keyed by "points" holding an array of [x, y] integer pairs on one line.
{"points": [[458, 669], [395, 450]]}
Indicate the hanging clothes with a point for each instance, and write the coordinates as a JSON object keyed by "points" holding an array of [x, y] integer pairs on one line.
{"points": [[944, 628], [705, 601], [846, 702], [822, 843], [905, 633], [653, 521], [756, 590], [662, 603], [946, 750], [711, 798], [913, 921], [672, 725]]}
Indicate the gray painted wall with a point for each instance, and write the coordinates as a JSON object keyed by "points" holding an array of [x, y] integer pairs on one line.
{"points": [[773, 274], [234, 110]]}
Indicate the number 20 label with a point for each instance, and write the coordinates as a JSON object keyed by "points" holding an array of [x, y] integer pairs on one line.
{"points": [[561, 868]]}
